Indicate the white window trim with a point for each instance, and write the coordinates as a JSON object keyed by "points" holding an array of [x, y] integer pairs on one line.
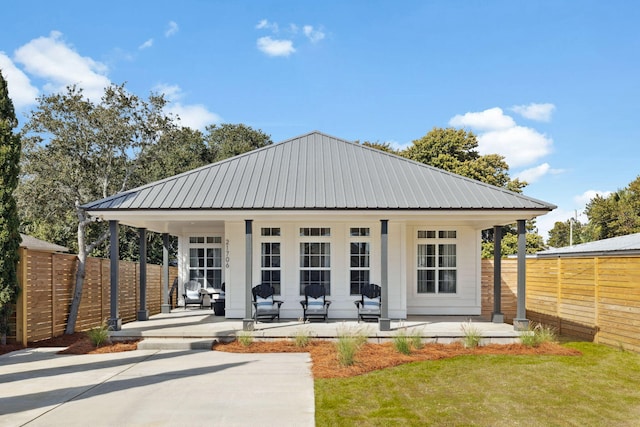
{"points": [[271, 239], [316, 239], [357, 239], [437, 240]]}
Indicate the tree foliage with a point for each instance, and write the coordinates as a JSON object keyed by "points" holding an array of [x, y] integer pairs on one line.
{"points": [[76, 151], [509, 245], [10, 146], [615, 215], [455, 150], [228, 140], [565, 233]]}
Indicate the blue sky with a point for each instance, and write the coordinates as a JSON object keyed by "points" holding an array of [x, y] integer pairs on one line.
{"points": [[554, 86]]}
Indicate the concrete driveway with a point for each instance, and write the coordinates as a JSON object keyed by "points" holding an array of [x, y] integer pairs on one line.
{"points": [[155, 388]]}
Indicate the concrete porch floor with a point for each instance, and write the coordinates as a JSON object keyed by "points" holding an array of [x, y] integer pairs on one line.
{"points": [[202, 326]]}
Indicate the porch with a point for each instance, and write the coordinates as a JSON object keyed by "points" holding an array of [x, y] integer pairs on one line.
{"points": [[199, 328]]}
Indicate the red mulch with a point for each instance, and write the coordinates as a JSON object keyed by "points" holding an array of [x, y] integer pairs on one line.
{"points": [[372, 357], [369, 358], [77, 343]]}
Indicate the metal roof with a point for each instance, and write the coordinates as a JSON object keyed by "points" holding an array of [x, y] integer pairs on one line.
{"points": [[317, 171], [622, 245], [32, 243]]}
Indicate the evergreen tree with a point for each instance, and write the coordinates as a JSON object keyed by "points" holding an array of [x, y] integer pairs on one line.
{"points": [[9, 223]]}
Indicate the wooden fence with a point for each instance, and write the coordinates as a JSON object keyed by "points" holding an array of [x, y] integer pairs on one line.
{"points": [[591, 298], [47, 281]]}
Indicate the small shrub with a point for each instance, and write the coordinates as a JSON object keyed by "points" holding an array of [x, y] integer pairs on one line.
{"points": [[401, 342], [404, 343], [416, 340], [348, 344], [245, 338], [538, 334], [302, 338], [472, 335], [99, 335]]}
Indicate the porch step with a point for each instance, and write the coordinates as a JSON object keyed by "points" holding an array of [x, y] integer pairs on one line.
{"points": [[176, 344]]}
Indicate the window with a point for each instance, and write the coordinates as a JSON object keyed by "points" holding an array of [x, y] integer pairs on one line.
{"points": [[317, 231], [436, 263], [205, 260], [315, 265], [270, 231], [359, 259], [271, 264]]}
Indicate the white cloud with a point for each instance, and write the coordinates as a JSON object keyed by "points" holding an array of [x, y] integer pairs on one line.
{"points": [[195, 116], [273, 47], [313, 35], [533, 174], [538, 112], [52, 59], [21, 91], [266, 25], [491, 119], [499, 134], [586, 197], [146, 44], [172, 29], [519, 145]]}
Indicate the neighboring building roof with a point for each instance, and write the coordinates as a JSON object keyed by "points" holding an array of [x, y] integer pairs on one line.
{"points": [[623, 245], [40, 245], [318, 171]]}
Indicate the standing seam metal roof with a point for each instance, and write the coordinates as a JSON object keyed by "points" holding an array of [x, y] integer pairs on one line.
{"points": [[317, 171]]}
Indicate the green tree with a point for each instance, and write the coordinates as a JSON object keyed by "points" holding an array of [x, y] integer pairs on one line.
{"points": [[615, 215], [77, 151], [382, 146], [10, 147], [455, 150], [509, 245], [561, 234], [228, 140]]}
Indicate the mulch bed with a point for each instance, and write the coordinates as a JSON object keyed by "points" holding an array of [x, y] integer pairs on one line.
{"points": [[77, 343], [370, 357]]}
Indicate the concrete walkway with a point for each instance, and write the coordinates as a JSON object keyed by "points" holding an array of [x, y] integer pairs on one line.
{"points": [[155, 388]]}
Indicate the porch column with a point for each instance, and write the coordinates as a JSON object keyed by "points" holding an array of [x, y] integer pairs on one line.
{"points": [[384, 323], [497, 316], [165, 307], [143, 313], [520, 323], [247, 322], [115, 322]]}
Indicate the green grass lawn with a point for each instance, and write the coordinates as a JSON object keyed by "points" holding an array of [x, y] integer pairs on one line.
{"points": [[599, 388]]}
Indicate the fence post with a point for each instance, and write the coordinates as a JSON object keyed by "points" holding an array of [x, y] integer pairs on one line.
{"points": [[21, 303], [559, 296], [596, 299]]}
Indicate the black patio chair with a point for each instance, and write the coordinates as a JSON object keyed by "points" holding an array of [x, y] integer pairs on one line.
{"points": [[265, 306], [192, 294], [315, 306], [369, 303]]}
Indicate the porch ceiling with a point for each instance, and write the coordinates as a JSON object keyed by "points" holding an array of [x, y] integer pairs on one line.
{"points": [[177, 222]]}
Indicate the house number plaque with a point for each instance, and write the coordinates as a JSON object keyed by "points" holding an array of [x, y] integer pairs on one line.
{"points": [[226, 259]]}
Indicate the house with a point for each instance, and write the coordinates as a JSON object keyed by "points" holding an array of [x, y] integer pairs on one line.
{"points": [[319, 209], [628, 245], [32, 243]]}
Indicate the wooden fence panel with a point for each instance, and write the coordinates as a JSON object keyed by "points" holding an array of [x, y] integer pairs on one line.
{"points": [[509, 287], [619, 302], [48, 281]]}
